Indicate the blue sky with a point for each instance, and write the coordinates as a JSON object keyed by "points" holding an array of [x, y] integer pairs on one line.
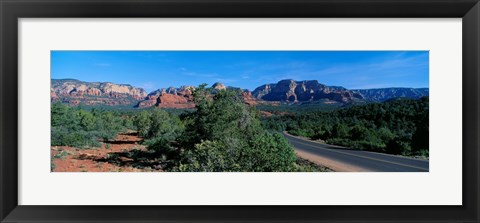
{"points": [[246, 69]]}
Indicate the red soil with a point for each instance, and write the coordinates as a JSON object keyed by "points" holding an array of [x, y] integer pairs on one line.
{"points": [[71, 159]]}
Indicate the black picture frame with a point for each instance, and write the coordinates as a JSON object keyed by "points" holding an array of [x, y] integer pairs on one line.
{"points": [[12, 10]]}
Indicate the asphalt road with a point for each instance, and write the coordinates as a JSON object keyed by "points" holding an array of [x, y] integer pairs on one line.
{"points": [[347, 160]]}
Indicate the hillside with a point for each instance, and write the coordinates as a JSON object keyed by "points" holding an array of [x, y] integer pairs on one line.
{"points": [[383, 94]]}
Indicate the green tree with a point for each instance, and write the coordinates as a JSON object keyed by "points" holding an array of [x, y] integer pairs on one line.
{"points": [[269, 152], [87, 120], [162, 124], [225, 134], [142, 122], [397, 126], [340, 130], [163, 129]]}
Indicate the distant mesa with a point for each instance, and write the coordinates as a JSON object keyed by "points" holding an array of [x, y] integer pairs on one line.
{"points": [[311, 90], [75, 92]]}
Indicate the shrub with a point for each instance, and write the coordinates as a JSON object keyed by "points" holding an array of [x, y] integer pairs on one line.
{"points": [[142, 122], [224, 134], [80, 128]]}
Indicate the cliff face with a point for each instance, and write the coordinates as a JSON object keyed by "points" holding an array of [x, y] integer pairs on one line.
{"points": [[303, 91], [169, 98], [76, 92], [248, 98]]}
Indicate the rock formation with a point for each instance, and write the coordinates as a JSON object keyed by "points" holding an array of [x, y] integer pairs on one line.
{"points": [[303, 91], [77, 92], [169, 98]]}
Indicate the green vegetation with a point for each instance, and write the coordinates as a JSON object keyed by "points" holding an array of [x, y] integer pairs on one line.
{"points": [[221, 134], [61, 155], [299, 108], [76, 127], [159, 128], [397, 126], [224, 134]]}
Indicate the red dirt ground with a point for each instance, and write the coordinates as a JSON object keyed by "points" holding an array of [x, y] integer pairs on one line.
{"points": [[71, 159]]}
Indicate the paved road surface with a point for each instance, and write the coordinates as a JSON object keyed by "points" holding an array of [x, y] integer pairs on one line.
{"points": [[345, 160]]}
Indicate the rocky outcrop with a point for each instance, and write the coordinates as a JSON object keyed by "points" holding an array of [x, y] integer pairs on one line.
{"points": [[174, 101], [169, 98], [303, 91], [186, 91], [248, 98], [147, 103], [53, 95], [219, 86], [77, 92]]}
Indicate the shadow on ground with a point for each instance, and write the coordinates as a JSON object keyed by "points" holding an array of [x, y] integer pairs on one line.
{"points": [[135, 158]]}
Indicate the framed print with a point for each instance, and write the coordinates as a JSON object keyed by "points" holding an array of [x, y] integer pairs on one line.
{"points": [[239, 111]]}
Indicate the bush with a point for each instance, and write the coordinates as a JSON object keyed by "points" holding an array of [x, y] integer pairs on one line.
{"points": [[269, 152], [159, 128], [142, 122], [208, 156], [224, 134]]}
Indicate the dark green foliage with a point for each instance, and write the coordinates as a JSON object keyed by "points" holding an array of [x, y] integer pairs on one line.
{"points": [[224, 134], [299, 108], [396, 126], [270, 152], [73, 126], [207, 156], [221, 134], [142, 121], [164, 125], [159, 128]]}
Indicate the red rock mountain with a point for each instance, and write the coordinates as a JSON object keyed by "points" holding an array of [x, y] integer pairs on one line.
{"points": [[169, 98], [76, 92]]}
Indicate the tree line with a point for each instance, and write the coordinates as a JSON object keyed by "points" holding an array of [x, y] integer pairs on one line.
{"points": [[398, 126]]}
